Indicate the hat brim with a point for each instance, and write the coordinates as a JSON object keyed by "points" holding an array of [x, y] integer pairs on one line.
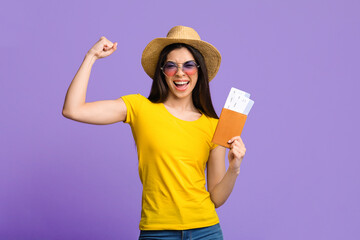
{"points": [[152, 51]]}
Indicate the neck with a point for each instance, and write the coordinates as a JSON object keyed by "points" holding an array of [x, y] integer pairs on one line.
{"points": [[181, 104]]}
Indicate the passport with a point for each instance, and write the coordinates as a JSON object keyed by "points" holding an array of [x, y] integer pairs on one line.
{"points": [[233, 117]]}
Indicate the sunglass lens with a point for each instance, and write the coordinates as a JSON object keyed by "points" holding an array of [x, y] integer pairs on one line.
{"points": [[170, 69], [190, 68]]}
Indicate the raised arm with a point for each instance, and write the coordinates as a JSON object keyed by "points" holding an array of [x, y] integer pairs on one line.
{"points": [[98, 112]]}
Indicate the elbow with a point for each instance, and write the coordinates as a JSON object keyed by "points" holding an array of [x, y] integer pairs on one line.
{"points": [[72, 112], [66, 113], [216, 202], [217, 205]]}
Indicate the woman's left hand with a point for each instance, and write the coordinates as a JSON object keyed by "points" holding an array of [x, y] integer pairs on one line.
{"points": [[236, 153]]}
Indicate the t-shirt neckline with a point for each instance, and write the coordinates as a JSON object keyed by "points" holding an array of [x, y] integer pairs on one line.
{"points": [[193, 121]]}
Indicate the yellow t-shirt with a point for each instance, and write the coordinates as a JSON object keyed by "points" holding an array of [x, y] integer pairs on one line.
{"points": [[172, 160]]}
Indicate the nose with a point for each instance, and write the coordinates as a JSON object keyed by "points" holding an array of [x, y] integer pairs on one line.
{"points": [[179, 71]]}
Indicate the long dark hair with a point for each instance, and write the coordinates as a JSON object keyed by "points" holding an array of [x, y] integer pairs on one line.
{"points": [[201, 94]]}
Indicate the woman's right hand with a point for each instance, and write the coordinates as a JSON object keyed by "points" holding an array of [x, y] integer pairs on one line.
{"points": [[103, 48]]}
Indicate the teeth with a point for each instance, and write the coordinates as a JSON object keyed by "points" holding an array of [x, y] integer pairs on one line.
{"points": [[180, 83]]}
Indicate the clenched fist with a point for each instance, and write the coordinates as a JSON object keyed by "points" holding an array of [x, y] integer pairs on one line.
{"points": [[103, 48]]}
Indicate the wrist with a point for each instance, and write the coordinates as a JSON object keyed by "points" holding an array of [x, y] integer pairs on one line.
{"points": [[234, 170], [91, 56]]}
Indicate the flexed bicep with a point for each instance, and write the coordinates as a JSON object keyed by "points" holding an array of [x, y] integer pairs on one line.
{"points": [[100, 112]]}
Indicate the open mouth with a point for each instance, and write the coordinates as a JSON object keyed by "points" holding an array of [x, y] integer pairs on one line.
{"points": [[181, 85]]}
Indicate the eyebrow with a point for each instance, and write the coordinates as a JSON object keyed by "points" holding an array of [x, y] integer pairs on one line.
{"points": [[180, 63]]}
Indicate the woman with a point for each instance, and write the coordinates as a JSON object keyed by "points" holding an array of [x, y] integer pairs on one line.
{"points": [[172, 129]]}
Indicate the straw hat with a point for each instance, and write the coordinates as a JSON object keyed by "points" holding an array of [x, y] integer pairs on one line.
{"points": [[180, 34]]}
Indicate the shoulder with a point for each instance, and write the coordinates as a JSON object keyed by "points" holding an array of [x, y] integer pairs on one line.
{"points": [[134, 103], [211, 120], [209, 125], [132, 97]]}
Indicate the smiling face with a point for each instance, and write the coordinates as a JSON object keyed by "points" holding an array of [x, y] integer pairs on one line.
{"points": [[181, 84]]}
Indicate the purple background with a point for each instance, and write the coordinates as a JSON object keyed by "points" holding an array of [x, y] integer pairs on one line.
{"points": [[60, 179]]}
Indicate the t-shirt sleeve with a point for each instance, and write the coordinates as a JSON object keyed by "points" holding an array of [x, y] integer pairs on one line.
{"points": [[133, 104], [214, 124]]}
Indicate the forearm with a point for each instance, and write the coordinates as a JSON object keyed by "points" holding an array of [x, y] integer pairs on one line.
{"points": [[76, 93], [221, 192]]}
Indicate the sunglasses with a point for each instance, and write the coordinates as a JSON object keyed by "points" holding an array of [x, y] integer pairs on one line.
{"points": [[171, 68]]}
